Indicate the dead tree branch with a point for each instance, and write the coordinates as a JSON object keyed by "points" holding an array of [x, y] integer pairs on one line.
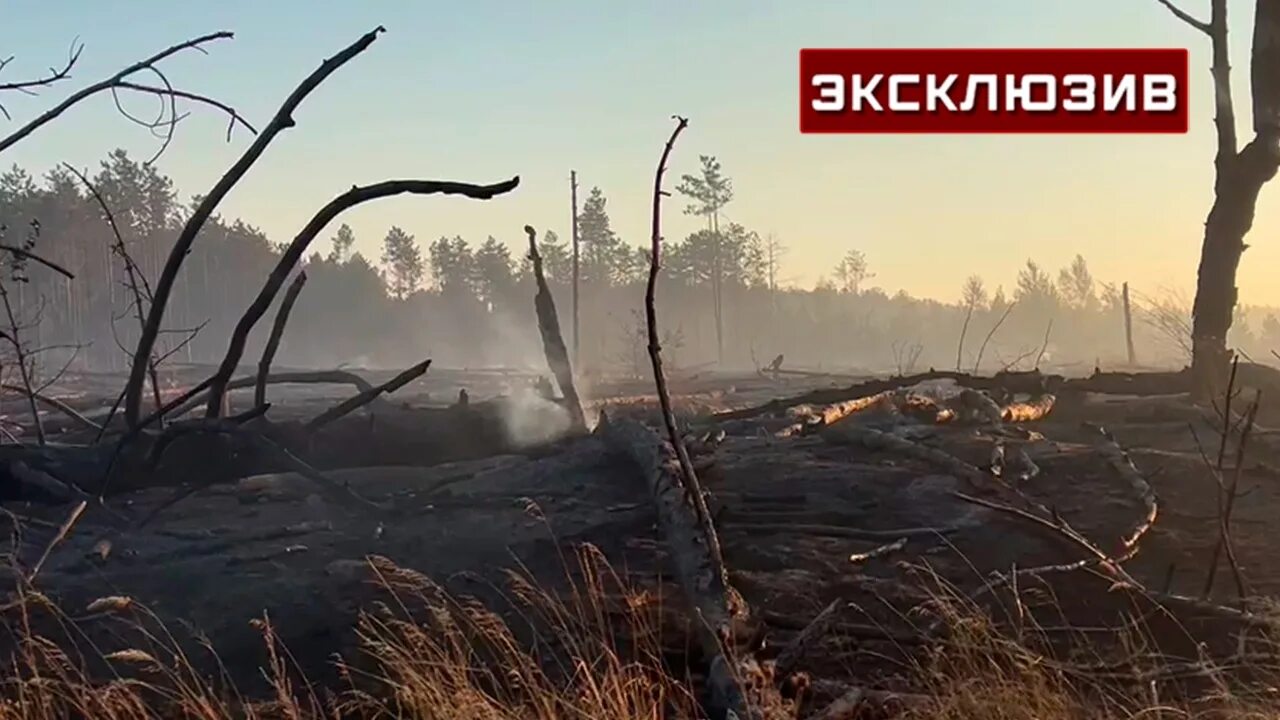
{"points": [[186, 402], [964, 330], [54, 403], [63, 531], [182, 246], [682, 509], [134, 278], [983, 348], [1185, 16], [27, 87], [552, 341], [804, 641], [277, 333], [354, 403], [22, 356], [294, 252], [118, 81], [24, 254]]}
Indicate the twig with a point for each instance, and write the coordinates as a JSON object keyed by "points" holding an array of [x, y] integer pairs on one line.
{"points": [[182, 246], [364, 398], [24, 371], [28, 255], [964, 329], [795, 650], [113, 82], [54, 403], [277, 332], [132, 272], [295, 250], [63, 531], [1064, 531], [552, 341], [1044, 345], [983, 348], [55, 74], [1227, 494]]}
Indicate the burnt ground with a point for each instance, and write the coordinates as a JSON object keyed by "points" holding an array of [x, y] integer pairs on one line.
{"points": [[784, 507]]}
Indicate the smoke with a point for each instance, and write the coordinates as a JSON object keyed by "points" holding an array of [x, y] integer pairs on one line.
{"points": [[531, 419]]}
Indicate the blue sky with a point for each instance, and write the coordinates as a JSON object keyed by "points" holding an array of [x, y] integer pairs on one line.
{"points": [[486, 89]]}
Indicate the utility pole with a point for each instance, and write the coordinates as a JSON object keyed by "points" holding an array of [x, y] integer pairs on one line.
{"points": [[573, 198], [1128, 326]]}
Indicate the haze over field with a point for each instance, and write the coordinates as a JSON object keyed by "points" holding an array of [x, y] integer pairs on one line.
{"points": [[486, 89]]}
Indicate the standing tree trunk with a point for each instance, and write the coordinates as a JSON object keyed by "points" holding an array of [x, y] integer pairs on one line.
{"points": [[1239, 175], [717, 287], [1128, 327]]}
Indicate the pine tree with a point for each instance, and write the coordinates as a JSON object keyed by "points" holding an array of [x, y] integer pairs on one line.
{"points": [[403, 262]]}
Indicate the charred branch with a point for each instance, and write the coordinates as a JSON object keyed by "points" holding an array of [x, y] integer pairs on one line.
{"points": [[182, 246], [552, 341], [277, 333], [352, 404], [118, 81], [295, 250], [134, 279]]}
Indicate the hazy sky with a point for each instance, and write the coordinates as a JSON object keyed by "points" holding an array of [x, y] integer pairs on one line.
{"points": [[485, 89]]}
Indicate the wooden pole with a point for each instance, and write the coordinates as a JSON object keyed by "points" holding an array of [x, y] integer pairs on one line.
{"points": [[1128, 325], [573, 195]]}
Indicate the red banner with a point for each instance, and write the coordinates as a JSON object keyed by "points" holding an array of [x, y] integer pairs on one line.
{"points": [[993, 90]]}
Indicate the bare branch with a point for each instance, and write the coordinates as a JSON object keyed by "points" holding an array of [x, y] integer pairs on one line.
{"points": [[55, 74], [983, 348], [294, 252], [28, 255], [364, 398], [277, 333], [164, 285], [171, 92], [132, 272], [54, 403], [114, 81], [1185, 16]]}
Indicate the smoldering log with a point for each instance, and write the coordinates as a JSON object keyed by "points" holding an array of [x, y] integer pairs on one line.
{"points": [[1030, 410]]}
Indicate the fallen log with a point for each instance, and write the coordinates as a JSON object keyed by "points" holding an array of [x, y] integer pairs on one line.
{"points": [[317, 377], [1123, 464], [1032, 383], [1029, 411]]}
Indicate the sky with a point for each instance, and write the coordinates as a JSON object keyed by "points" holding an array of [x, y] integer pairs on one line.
{"points": [[482, 90]]}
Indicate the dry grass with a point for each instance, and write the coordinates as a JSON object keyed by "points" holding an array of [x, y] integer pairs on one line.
{"points": [[589, 651]]}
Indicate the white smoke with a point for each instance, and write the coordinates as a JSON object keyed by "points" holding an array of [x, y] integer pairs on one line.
{"points": [[531, 419]]}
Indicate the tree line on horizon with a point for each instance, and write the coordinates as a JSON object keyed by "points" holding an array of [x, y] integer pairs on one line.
{"points": [[468, 304]]}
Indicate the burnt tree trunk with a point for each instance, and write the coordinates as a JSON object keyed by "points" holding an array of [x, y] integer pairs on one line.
{"points": [[1239, 175]]}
